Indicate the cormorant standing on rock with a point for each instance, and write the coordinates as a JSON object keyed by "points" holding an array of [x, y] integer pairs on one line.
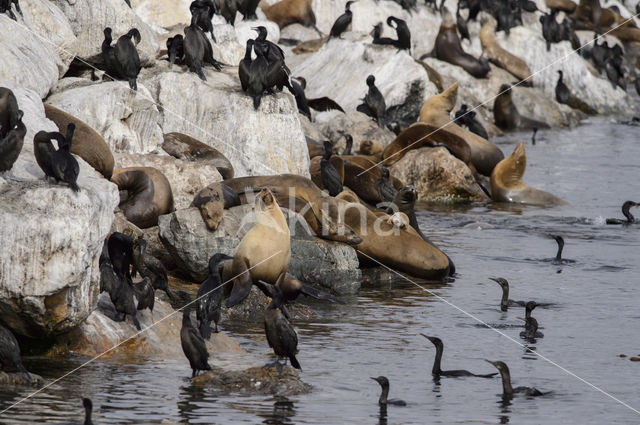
{"points": [[204, 10], [149, 266], [120, 248], [11, 144], [402, 31], [625, 211], [342, 23], [562, 91], [280, 333], [374, 104], [197, 50], [120, 292], [65, 166], [145, 294], [210, 297], [245, 65], [319, 104], [383, 400], [507, 389], [5, 7], [505, 302], [193, 344], [59, 164], [437, 372], [175, 49], [330, 177], [122, 61], [466, 117], [10, 360]]}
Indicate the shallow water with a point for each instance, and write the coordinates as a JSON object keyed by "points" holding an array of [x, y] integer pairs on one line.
{"points": [[594, 319]]}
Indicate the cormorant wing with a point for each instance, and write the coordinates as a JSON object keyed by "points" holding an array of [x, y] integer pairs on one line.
{"points": [[324, 104], [319, 295]]}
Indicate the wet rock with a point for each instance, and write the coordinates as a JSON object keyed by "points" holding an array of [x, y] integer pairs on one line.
{"points": [[17, 379], [50, 257], [256, 380], [438, 176], [128, 121], [216, 112], [89, 18], [186, 178], [361, 127], [329, 264]]}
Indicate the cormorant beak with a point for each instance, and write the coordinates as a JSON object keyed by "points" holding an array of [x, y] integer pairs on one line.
{"points": [[524, 320], [495, 279], [375, 379], [489, 361], [429, 338]]}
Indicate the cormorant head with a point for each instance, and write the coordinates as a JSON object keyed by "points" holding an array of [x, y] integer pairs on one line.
{"points": [[347, 6], [87, 403], [371, 80], [501, 281], [382, 380], [262, 32], [628, 204], [216, 259], [391, 20], [501, 366], [107, 34], [434, 340], [559, 240], [560, 73], [530, 306], [135, 34]]}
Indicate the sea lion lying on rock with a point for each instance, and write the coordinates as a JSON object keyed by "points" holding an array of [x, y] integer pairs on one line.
{"points": [[187, 148]]}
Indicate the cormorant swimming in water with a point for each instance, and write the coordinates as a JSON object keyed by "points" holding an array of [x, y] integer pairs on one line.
{"points": [[625, 211], [384, 186], [11, 144], [533, 136], [149, 266], [210, 297], [193, 344], [343, 21], [330, 177], [281, 335], [505, 302], [531, 329], [507, 389], [437, 372], [558, 258], [374, 104], [528, 308], [383, 400], [10, 359], [88, 409]]}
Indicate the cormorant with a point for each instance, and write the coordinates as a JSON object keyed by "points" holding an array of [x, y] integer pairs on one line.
{"points": [[120, 291], [10, 360], [374, 104], [122, 61], [245, 65], [120, 247], [88, 409], [562, 91], [210, 297], [437, 372], [193, 344], [197, 50], [149, 266], [204, 10], [385, 188], [343, 21], [5, 7], [625, 211], [330, 177], [507, 389], [528, 308], [383, 400], [145, 294], [505, 302], [402, 31], [558, 258], [280, 333], [349, 145], [175, 49], [59, 164], [291, 288], [303, 103], [11, 144], [531, 329]]}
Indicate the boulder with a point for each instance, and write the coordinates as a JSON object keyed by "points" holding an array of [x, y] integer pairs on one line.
{"points": [[165, 13], [49, 260], [128, 121], [185, 177], [255, 381], [216, 112], [328, 264], [438, 176], [89, 18]]}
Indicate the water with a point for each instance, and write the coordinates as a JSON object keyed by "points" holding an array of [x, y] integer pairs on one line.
{"points": [[595, 318]]}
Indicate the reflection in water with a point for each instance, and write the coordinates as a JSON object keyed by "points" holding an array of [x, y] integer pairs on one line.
{"points": [[382, 416], [191, 396], [505, 402], [283, 411]]}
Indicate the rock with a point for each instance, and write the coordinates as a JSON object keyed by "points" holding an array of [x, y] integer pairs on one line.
{"points": [[333, 125], [17, 379], [216, 112], [438, 176], [165, 13], [128, 121], [328, 264], [89, 18], [186, 178], [50, 258], [339, 70], [256, 380]]}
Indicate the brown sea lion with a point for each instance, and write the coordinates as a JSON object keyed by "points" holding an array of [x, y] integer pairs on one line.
{"points": [[287, 12], [315, 148], [436, 112], [498, 55], [188, 148], [265, 250], [310, 46], [149, 194], [420, 135], [212, 201], [565, 5], [507, 184], [361, 175], [506, 115], [434, 76], [88, 144], [448, 48], [372, 149], [400, 249]]}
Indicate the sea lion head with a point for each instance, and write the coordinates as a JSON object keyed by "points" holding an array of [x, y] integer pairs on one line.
{"points": [[267, 198]]}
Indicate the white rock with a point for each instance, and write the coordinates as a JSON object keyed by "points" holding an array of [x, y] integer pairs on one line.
{"points": [[89, 18], [49, 259], [267, 141], [128, 121], [164, 13]]}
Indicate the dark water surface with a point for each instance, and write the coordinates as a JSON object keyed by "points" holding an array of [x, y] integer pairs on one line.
{"points": [[595, 318]]}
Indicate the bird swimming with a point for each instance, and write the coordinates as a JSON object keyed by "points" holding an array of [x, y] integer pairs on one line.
{"points": [[383, 400], [531, 329], [625, 211], [437, 372], [210, 297], [505, 302], [507, 389], [558, 260]]}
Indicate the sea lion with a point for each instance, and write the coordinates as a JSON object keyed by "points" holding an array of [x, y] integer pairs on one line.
{"points": [[448, 48], [361, 175], [149, 194], [188, 148], [420, 135], [506, 115], [434, 76], [212, 201], [371, 148], [400, 249], [265, 249], [287, 12], [310, 46], [87, 143], [565, 5], [436, 112], [507, 184], [498, 55]]}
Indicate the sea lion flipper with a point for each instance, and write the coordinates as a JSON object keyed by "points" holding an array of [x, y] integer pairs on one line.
{"points": [[512, 177], [319, 295], [241, 282]]}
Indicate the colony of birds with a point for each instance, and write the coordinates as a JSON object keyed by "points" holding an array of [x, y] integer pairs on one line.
{"points": [[263, 72]]}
